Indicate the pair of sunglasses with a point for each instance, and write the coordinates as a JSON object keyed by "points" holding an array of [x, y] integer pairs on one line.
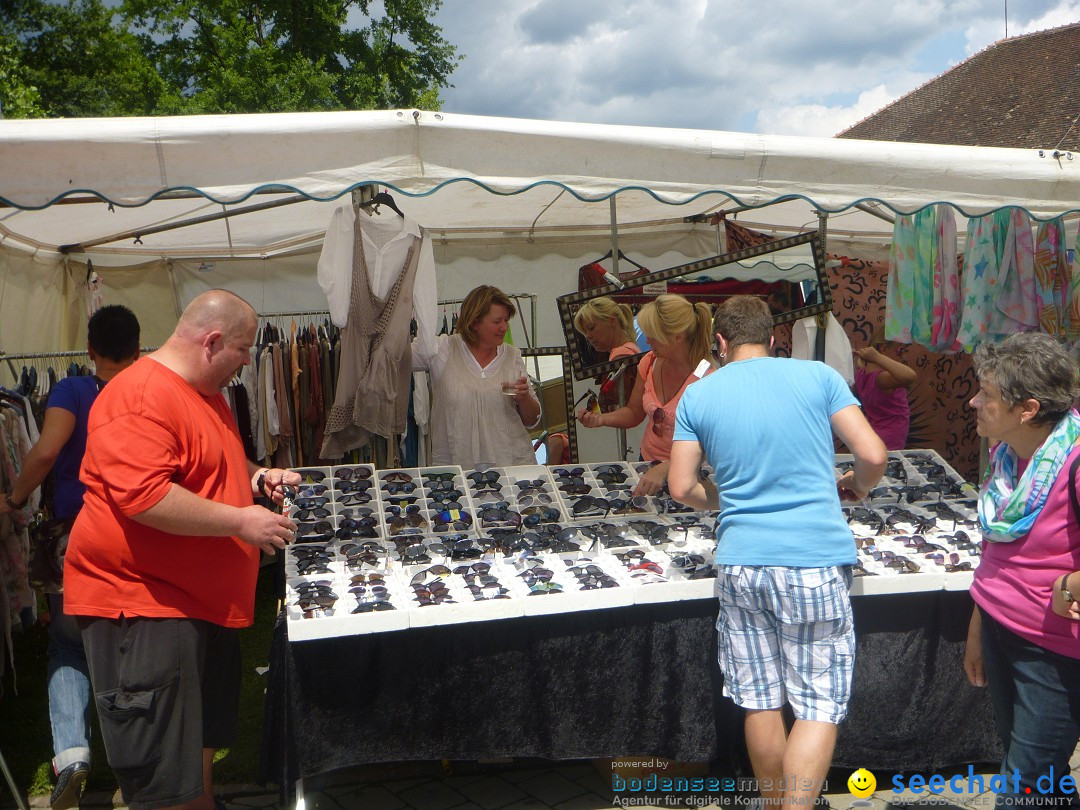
{"points": [[352, 473]]}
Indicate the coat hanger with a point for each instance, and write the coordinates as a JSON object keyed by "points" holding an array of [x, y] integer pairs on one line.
{"points": [[624, 258], [384, 198]]}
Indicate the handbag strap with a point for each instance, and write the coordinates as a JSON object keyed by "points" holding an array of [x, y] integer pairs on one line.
{"points": [[1072, 489]]}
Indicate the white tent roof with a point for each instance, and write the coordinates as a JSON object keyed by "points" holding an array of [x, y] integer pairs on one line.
{"points": [[472, 177]]}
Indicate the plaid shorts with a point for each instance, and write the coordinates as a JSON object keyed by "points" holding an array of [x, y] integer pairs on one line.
{"points": [[787, 635]]}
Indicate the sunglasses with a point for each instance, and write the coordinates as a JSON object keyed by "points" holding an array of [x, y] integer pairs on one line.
{"points": [[351, 473], [313, 528], [533, 515], [541, 588], [353, 486], [368, 607], [402, 525], [442, 478], [575, 489], [311, 514], [629, 506], [436, 571], [484, 477], [566, 472], [445, 496], [396, 478], [588, 505], [310, 503], [659, 418], [409, 509], [440, 486], [310, 476], [355, 498], [311, 491], [538, 499], [402, 487], [591, 402]]}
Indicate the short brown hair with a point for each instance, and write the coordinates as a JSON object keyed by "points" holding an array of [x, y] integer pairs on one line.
{"points": [[476, 305], [744, 320], [1031, 365]]}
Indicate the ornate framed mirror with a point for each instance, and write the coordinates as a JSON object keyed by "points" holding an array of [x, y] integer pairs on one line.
{"points": [[788, 273]]}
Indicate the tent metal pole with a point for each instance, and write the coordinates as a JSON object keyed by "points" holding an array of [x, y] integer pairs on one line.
{"points": [[621, 432], [874, 212], [172, 226]]}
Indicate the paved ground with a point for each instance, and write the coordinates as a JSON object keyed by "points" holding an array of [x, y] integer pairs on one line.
{"points": [[576, 785]]}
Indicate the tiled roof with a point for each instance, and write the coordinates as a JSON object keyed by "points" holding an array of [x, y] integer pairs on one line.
{"points": [[1019, 92]]}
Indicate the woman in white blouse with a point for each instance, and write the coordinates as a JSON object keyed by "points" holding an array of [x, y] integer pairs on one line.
{"points": [[483, 404]]}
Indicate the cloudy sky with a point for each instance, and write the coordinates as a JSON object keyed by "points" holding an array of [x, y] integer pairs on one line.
{"points": [[792, 67]]}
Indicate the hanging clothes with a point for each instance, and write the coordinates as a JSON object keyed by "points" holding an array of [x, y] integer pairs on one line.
{"points": [[1016, 305], [373, 393], [1073, 325], [838, 352], [986, 238], [945, 315], [386, 241], [1052, 277], [909, 294]]}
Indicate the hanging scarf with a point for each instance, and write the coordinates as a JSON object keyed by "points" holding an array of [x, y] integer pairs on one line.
{"points": [[1008, 507]]}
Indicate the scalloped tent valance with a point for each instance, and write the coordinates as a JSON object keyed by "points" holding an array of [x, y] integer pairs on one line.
{"points": [[473, 177]]}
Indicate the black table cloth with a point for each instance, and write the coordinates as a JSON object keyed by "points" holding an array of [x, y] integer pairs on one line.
{"points": [[630, 681]]}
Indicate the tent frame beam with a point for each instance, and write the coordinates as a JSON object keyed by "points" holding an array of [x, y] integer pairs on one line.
{"points": [[80, 247]]}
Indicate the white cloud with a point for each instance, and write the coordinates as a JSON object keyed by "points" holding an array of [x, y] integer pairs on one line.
{"points": [[783, 66], [820, 120]]}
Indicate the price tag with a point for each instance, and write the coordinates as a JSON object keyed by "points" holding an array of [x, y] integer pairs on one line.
{"points": [[655, 288]]}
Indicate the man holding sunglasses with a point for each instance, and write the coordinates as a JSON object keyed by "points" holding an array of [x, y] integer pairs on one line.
{"points": [[785, 553], [162, 562]]}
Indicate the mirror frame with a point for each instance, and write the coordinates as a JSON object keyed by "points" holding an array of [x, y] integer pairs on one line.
{"points": [[565, 302], [568, 389]]}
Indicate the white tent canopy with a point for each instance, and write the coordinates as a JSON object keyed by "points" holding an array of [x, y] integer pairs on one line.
{"points": [[474, 175], [519, 203], [488, 189]]}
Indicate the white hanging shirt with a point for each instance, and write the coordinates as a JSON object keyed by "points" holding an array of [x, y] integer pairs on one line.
{"points": [[838, 353], [386, 239]]}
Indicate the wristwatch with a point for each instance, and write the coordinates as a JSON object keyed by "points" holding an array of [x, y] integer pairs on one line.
{"points": [[12, 504], [1066, 594]]}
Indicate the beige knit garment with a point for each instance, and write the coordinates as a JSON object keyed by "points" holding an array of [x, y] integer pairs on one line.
{"points": [[376, 359]]}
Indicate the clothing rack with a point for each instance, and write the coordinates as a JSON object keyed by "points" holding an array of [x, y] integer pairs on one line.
{"points": [[530, 297], [59, 355]]}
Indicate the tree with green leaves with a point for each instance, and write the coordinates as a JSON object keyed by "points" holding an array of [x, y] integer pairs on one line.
{"points": [[179, 57]]}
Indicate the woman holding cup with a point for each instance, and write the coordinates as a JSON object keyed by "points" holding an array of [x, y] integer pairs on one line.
{"points": [[483, 405]]}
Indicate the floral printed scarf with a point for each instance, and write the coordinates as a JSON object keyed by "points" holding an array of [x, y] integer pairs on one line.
{"points": [[1009, 504]]}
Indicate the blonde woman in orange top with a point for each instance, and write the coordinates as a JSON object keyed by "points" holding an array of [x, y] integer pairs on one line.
{"points": [[680, 336]]}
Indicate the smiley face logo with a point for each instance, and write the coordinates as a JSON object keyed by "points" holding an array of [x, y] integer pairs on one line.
{"points": [[862, 783]]}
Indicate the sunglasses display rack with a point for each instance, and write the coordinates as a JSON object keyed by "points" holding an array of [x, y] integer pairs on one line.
{"points": [[918, 528], [336, 503], [600, 490], [922, 515], [425, 501]]}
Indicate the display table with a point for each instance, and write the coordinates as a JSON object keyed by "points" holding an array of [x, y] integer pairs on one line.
{"points": [[628, 670], [638, 680]]}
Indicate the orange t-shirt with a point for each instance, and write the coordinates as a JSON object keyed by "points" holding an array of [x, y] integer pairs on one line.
{"points": [[148, 429], [659, 432]]}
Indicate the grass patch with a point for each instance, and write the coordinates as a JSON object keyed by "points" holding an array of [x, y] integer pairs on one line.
{"points": [[26, 738]]}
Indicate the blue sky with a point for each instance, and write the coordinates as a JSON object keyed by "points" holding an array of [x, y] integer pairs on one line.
{"points": [[787, 67]]}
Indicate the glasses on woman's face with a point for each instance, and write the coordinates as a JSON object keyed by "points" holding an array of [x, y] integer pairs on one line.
{"points": [[659, 419]]}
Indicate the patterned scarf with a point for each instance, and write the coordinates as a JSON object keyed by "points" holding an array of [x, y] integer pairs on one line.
{"points": [[1008, 507]]}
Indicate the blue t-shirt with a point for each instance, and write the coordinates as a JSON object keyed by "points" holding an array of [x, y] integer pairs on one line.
{"points": [[74, 394], [764, 425]]}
